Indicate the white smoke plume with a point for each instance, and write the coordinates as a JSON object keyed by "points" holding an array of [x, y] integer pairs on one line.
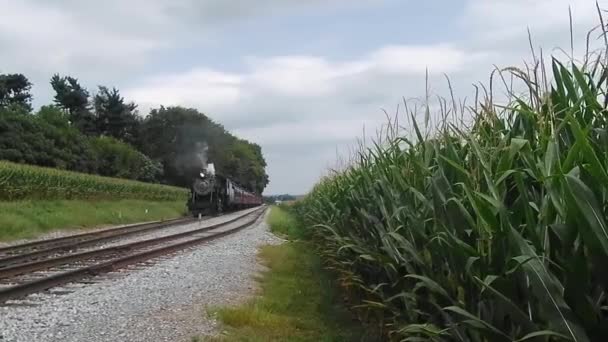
{"points": [[200, 152], [193, 160]]}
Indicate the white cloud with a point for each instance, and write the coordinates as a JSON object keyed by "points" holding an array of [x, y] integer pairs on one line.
{"points": [[295, 75], [417, 59], [55, 39], [108, 41], [83, 35], [503, 19], [315, 76], [311, 132], [214, 89], [271, 84]]}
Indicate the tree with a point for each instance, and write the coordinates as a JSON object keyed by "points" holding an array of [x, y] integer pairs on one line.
{"points": [[44, 139], [15, 91], [106, 135], [54, 116], [115, 117], [245, 164], [172, 135], [118, 159], [179, 137], [74, 99]]}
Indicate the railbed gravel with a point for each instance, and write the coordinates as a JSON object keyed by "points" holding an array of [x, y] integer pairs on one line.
{"points": [[165, 300]]}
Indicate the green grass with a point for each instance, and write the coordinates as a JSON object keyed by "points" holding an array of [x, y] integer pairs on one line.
{"points": [[284, 224], [298, 299], [28, 219]]}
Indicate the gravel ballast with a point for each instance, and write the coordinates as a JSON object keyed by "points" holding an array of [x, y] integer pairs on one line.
{"points": [[162, 301]]}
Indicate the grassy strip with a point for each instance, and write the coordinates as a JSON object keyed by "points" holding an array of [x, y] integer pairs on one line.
{"points": [[27, 219], [27, 182], [283, 223], [298, 301]]}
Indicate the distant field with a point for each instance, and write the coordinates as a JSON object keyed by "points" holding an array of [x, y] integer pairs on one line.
{"points": [[36, 200], [26, 182]]}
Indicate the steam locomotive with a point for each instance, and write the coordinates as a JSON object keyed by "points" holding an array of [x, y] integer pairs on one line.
{"points": [[212, 193]]}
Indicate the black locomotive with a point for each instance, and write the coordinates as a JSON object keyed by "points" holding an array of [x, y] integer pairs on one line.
{"points": [[211, 193]]}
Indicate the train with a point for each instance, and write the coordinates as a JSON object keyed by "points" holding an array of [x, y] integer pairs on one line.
{"points": [[213, 194]]}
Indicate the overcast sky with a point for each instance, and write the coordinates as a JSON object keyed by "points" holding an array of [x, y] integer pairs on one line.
{"points": [[300, 78]]}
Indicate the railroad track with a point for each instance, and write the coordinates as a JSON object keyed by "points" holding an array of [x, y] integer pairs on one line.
{"points": [[38, 249], [31, 275]]}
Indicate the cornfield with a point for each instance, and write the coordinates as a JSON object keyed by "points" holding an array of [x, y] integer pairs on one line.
{"points": [[24, 182], [494, 230]]}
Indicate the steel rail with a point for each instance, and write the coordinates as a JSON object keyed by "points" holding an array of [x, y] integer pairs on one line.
{"points": [[76, 244], [69, 238], [21, 290]]}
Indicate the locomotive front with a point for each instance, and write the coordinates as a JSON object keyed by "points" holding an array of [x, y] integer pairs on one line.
{"points": [[204, 183], [203, 192]]}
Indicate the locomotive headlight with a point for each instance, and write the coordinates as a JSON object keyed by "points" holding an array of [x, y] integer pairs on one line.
{"points": [[202, 175]]}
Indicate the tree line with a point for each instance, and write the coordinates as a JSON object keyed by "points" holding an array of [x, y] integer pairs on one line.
{"points": [[102, 133], [282, 198]]}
